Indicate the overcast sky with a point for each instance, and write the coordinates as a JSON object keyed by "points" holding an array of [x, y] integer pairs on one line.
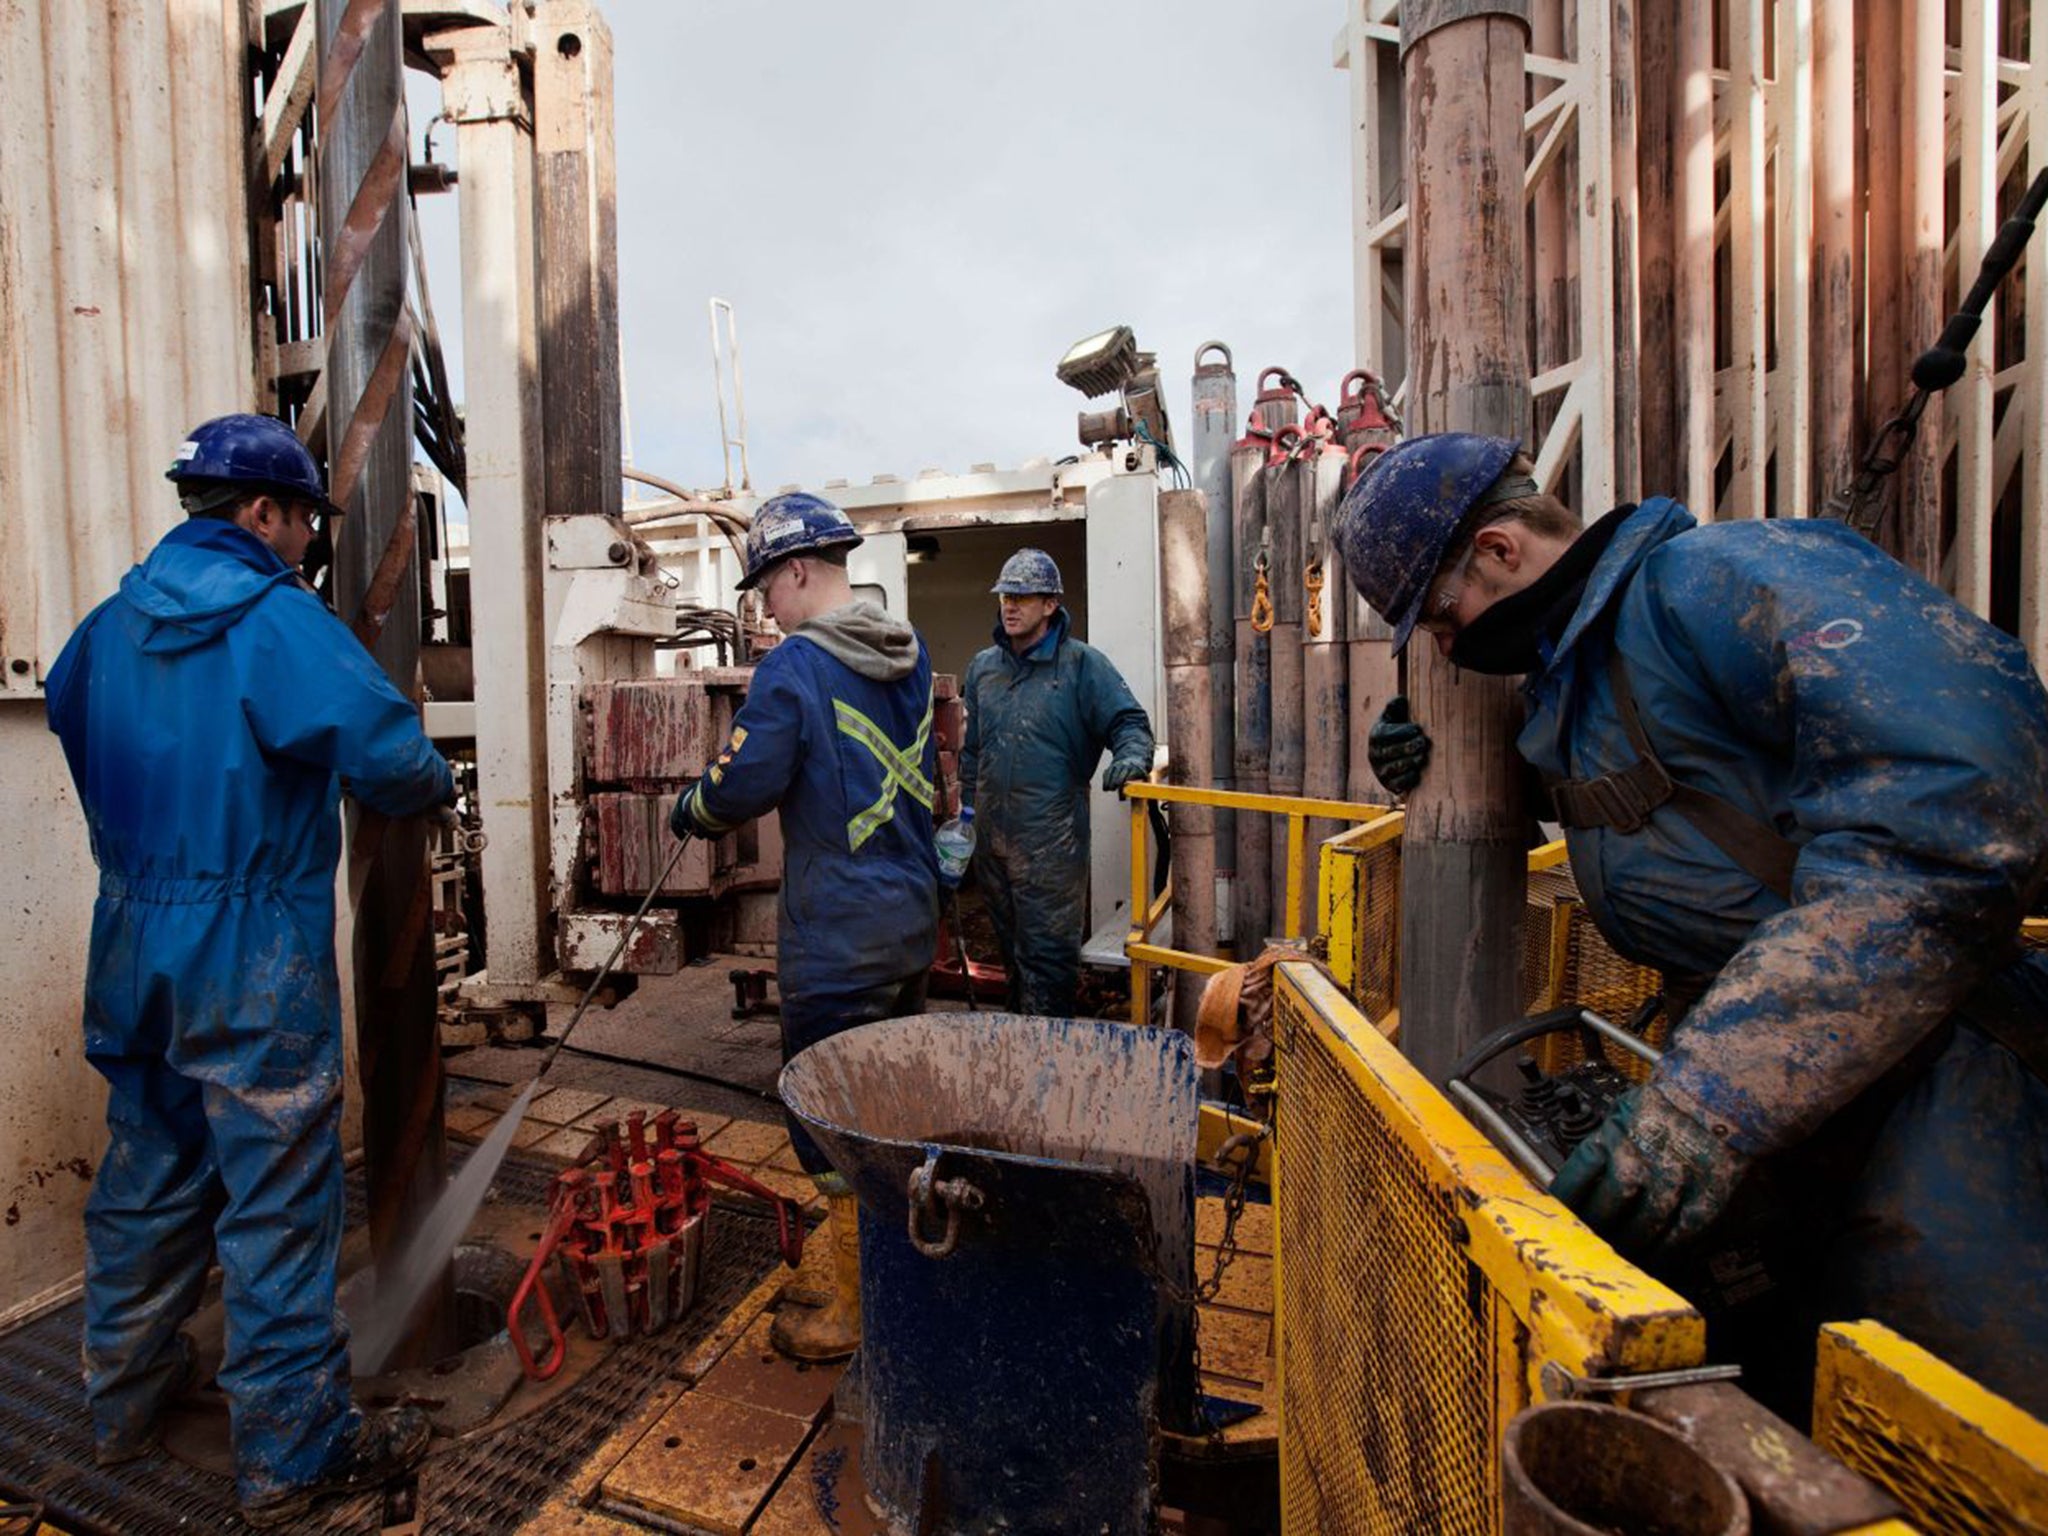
{"points": [[916, 208]]}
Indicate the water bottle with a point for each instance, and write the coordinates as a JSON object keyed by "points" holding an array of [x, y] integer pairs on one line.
{"points": [[956, 846]]}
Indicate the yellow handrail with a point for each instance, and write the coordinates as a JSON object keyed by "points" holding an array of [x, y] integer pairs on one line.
{"points": [[1146, 912]]}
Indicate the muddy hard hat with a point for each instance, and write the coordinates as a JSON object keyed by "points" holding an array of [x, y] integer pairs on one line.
{"points": [[260, 453], [795, 523], [1029, 573], [1400, 516]]}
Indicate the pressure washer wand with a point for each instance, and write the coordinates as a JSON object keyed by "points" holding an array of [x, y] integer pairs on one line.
{"points": [[1862, 504], [604, 971]]}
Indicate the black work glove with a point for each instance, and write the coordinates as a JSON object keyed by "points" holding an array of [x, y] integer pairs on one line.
{"points": [[1397, 748], [1121, 772], [680, 822]]}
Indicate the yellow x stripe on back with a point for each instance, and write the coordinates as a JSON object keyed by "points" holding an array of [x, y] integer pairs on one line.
{"points": [[901, 770]]}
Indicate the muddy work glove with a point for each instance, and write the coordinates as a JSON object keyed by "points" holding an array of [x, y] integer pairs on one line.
{"points": [[1121, 772], [1652, 1178], [1397, 748]]}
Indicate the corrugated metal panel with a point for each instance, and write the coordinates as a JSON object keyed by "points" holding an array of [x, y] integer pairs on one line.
{"points": [[125, 311], [125, 317]]}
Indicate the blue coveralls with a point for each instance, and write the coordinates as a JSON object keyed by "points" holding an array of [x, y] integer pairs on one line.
{"points": [[1794, 671], [208, 711], [1037, 725], [849, 761]]}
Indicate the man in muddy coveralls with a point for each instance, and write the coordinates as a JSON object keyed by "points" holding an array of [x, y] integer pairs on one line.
{"points": [[1041, 709], [209, 711], [1807, 786], [836, 735]]}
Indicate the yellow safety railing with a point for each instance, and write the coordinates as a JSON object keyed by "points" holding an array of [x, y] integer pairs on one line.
{"points": [[1147, 910]]}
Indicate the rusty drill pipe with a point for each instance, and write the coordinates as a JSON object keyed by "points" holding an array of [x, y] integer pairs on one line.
{"points": [[1325, 663], [1184, 599], [1284, 488], [1583, 1469], [1252, 896], [360, 97]]}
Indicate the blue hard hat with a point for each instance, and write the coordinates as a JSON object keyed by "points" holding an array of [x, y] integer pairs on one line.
{"points": [[1029, 573], [259, 452], [795, 523], [1400, 516]]}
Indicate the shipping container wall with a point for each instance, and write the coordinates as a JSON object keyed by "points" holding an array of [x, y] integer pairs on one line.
{"points": [[125, 317]]}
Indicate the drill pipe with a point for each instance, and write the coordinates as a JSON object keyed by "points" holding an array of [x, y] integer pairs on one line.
{"points": [[1284, 489], [1215, 409], [1184, 594], [1252, 896]]}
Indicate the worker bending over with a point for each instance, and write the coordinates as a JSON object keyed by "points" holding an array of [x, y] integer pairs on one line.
{"points": [[208, 711], [1041, 708], [1808, 787], [836, 733]]}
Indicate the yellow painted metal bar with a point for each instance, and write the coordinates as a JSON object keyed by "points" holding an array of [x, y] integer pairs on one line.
{"points": [[1241, 800], [1178, 959], [1580, 1298], [2035, 931], [1560, 952], [1549, 856], [1297, 861], [1218, 1124], [1141, 973], [1947, 1447]]}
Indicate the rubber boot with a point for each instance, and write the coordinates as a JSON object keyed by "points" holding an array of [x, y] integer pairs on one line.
{"points": [[832, 1331]]}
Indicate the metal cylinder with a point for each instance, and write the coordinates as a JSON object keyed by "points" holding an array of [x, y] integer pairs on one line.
{"points": [[1215, 411], [1583, 1469], [1366, 426], [1252, 898], [1027, 1195], [1184, 600], [1285, 485], [363, 210], [1325, 663]]}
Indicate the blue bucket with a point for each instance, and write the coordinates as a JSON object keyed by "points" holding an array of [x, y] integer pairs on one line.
{"points": [[1027, 1261]]}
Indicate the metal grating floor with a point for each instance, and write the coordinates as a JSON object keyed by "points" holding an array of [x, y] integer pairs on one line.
{"points": [[481, 1487]]}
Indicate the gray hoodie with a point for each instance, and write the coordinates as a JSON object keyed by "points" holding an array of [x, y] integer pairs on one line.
{"points": [[866, 639]]}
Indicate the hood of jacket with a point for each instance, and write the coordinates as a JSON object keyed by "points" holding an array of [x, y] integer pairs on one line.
{"points": [[1049, 643], [866, 639], [201, 577]]}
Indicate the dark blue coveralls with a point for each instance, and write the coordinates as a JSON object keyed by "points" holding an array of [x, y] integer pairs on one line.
{"points": [[1792, 670], [208, 712], [1037, 725], [849, 761]]}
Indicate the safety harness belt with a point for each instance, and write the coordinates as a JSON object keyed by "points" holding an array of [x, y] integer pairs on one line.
{"points": [[1625, 798]]}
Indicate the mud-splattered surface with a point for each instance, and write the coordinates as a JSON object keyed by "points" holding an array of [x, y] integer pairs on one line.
{"points": [[480, 1487]]}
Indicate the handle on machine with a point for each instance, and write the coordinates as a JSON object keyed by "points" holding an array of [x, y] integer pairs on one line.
{"points": [[533, 1285], [789, 1227]]}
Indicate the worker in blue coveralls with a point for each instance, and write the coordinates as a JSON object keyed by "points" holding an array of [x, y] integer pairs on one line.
{"points": [[1041, 709], [209, 711], [836, 733], [1807, 786]]}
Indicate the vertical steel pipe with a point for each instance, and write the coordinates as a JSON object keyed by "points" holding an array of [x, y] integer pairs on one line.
{"points": [[1325, 666], [1284, 491], [360, 97], [1366, 427], [1463, 873], [1252, 914], [1215, 412], [1184, 600]]}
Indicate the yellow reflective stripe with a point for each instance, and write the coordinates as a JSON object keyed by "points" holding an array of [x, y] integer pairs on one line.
{"points": [[901, 770]]}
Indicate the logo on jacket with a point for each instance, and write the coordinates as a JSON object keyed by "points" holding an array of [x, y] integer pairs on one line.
{"points": [[1835, 635]]}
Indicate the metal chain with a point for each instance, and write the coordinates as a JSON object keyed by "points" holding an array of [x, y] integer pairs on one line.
{"points": [[1246, 1143]]}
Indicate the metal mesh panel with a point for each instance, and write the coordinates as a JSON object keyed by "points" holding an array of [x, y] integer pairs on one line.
{"points": [[1391, 1322], [1401, 1238], [1378, 939], [1959, 1458], [1565, 960]]}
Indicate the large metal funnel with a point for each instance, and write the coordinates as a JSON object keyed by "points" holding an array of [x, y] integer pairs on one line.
{"points": [[1027, 1261]]}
